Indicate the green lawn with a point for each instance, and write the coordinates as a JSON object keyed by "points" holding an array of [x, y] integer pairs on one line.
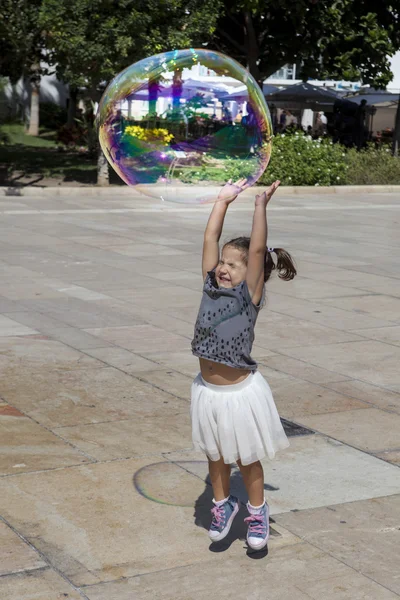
{"points": [[16, 135], [26, 159]]}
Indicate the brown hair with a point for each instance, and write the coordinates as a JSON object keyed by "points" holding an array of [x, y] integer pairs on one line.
{"points": [[284, 262]]}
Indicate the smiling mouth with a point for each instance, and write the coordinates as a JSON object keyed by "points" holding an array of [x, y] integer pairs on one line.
{"points": [[224, 279]]}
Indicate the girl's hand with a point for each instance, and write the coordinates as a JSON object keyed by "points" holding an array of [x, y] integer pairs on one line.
{"points": [[231, 190], [266, 196]]}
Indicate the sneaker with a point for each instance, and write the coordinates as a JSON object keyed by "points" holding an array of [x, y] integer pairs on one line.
{"points": [[223, 516], [258, 530]]}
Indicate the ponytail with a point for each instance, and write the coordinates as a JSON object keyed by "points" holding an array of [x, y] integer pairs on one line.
{"points": [[284, 264]]}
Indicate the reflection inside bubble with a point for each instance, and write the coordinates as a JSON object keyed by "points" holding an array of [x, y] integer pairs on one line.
{"points": [[178, 125]]}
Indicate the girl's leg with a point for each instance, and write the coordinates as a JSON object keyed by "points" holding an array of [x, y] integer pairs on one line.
{"points": [[220, 474], [253, 477]]}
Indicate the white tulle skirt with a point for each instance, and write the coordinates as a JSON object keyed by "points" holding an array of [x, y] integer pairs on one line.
{"points": [[237, 421]]}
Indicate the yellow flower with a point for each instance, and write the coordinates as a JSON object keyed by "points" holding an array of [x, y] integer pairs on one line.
{"points": [[161, 136]]}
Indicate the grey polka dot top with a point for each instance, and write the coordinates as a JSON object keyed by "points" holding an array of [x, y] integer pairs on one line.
{"points": [[224, 329]]}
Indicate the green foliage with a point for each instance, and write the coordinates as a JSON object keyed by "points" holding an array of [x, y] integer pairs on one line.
{"points": [[344, 39], [297, 159], [21, 39], [238, 169], [90, 41], [51, 115], [72, 137], [372, 166]]}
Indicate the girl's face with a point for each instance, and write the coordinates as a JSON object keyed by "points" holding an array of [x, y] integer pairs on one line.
{"points": [[231, 269]]}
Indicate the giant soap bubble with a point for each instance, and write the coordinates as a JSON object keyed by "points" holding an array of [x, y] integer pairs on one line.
{"points": [[178, 125]]}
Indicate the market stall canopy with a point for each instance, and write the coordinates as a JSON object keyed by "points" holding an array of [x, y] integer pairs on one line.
{"points": [[304, 95], [375, 98], [241, 94], [190, 87]]}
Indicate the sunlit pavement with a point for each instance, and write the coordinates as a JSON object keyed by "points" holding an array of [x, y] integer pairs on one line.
{"points": [[101, 496]]}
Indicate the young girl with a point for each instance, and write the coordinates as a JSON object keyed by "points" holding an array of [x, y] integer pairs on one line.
{"points": [[234, 417]]}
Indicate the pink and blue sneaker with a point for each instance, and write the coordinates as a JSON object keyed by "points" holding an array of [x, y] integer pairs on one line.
{"points": [[223, 514], [258, 526]]}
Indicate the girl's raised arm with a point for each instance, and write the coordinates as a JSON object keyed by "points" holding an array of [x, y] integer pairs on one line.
{"points": [[215, 224], [258, 244]]}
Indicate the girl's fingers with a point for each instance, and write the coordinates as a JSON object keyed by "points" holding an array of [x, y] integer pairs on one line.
{"points": [[240, 182]]}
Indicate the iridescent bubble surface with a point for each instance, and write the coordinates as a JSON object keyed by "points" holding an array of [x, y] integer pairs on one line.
{"points": [[178, 125]]}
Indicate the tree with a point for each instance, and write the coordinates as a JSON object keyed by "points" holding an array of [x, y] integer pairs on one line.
{"points": [[22, 50], [345, 39], [90, 41]]}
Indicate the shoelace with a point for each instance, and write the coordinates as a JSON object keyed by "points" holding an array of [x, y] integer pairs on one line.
{"points": [[218, 514], [256, 524]]}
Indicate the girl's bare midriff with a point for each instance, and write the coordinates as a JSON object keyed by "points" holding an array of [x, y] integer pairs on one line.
{"points": [[219, 374]]}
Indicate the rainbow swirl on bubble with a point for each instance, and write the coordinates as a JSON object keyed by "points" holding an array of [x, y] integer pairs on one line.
{"points": [[178, 125]]}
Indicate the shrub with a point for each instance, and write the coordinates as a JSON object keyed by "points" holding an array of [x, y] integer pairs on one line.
{"points": [[372, 166], [72, 136], [52, 116], [297, 159]]}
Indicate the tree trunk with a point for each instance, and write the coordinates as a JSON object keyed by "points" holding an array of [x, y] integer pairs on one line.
{"points": [[73, 99], [14, 108], [102, 169], [396, 132], [34, 116], [253, 51], [177, 85], [153, 88]]}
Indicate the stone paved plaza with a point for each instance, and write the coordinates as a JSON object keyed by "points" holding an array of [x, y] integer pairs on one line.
{"points": [[101, 496]]}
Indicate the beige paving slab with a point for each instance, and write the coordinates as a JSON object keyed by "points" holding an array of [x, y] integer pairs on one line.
{"points": [[364, 535], [73, 397], [313, 471], [378, 306], [26, 446], [170, 381], [380, 397], [101, 533], [124, 359], [179, 324], [308, 288], [392, 456], [15, 554], [301, 369], [318, 312], [391, 335], [371, 429], [10, 327], [132, 437], [300, 398], [37, 585], [7, 305], [282, 331], [369, 361], [183, 361], [193, 281], [280, 575], [352, 586], [30, 291], [173, 296], [34, 352], [144, 339], [348, 276], [80, 313], [146, 249]]}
